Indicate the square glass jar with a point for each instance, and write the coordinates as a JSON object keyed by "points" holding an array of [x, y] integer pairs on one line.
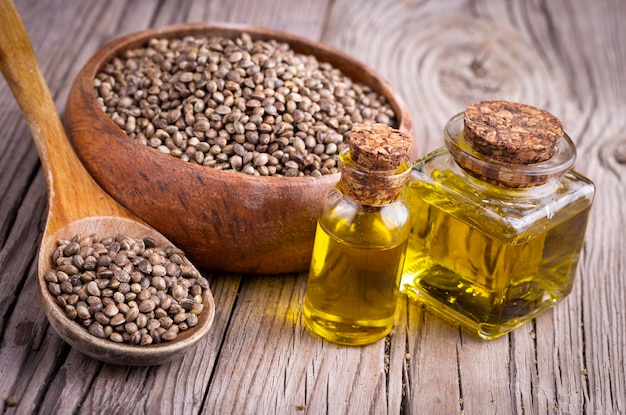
{"points": [[487, 256]]}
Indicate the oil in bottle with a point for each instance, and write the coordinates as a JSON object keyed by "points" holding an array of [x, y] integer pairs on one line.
{"points": [[360, 241]]}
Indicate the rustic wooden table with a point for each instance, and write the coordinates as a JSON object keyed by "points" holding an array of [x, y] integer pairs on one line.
{"points": [[567, 56]]}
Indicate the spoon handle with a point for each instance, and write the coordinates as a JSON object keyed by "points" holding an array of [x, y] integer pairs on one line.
{"points": [[72, 192]]}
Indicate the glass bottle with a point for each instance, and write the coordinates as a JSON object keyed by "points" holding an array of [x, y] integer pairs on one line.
{"points": [[495, 241], [360, 241]]}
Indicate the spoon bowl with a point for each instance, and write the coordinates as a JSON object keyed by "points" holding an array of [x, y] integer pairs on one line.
{"points": [[105, 349], [77, 205]]}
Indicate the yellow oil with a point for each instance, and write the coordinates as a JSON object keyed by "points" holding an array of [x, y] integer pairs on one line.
{"points": [[355, 272], [467, 263]]}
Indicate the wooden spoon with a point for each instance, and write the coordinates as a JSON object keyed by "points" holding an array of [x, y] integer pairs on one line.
{"points": [[76, 204]]}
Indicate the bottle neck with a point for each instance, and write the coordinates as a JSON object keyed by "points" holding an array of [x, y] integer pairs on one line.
{"points": [[371, 187], [494, 190]]}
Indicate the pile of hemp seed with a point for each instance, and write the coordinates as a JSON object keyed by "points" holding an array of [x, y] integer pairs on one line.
{"points": [[253, 106], [126, 290]]}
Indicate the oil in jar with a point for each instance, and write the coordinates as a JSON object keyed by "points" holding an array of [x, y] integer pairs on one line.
{"points": [[487, 256], [360, 243]]}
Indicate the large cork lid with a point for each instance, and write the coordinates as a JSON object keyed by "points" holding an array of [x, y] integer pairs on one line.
{"points": [[376, 166], [512, 132], [509, 144]]}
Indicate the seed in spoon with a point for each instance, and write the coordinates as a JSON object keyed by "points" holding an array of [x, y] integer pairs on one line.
{"points": [[109, 286]]}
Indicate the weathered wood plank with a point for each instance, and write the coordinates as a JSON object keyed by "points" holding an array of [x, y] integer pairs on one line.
{"points": [[258, 348], [24, 326], [21, 163], [304, 18], [433, 384], [270, 361], [176, 387], [566, 56]]}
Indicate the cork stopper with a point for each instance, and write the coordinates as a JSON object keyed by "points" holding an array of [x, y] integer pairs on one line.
{"points": [[372, 170], [511, 132], [378, 146], [508, 144]]}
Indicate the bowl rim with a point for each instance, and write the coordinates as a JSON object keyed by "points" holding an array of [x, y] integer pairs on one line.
{"points": [[85, 77]]}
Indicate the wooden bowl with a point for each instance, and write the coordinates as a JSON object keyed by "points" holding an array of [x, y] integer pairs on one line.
{"points": [[224, 221]]}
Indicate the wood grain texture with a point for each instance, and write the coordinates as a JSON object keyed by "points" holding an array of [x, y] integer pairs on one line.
{"points": [[563, 55]]}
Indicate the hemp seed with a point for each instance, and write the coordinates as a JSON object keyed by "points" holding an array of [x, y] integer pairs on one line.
{"points": [[122, 298], [229, 104]]}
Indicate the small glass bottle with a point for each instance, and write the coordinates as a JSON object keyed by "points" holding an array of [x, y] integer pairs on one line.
{"points": [[360, 241], [498, 219]]}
